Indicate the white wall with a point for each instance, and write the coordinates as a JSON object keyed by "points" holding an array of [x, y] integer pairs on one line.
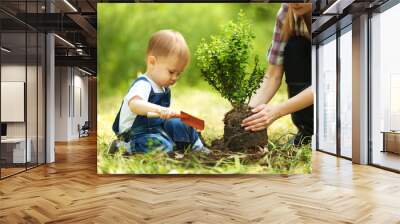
{"points": [[80, 100], [16, 73], [61, 103], [71, 94]]}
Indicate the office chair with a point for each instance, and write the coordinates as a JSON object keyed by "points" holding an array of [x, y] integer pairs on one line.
{"points": [[84, 130]]}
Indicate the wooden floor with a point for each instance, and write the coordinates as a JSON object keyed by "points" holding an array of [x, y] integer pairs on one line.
{"points": [[70, 191], [10, 171]]}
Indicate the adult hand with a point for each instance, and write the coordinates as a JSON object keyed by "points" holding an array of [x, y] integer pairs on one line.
{"points": [[263, 116]]}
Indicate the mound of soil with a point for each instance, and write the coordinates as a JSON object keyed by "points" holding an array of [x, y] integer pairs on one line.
{"points": [[235, 137]]}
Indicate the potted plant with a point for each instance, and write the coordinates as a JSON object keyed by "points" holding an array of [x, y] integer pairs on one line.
{"points": [[225, 62]]}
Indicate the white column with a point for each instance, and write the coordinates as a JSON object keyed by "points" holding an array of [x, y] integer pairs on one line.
{"points": [[50, 92], [360, 90]]}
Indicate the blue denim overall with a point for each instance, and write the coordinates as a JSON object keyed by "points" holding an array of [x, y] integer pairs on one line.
{"points": [[147, 134]]}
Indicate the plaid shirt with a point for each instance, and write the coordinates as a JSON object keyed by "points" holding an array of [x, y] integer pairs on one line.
{"points": [[275, 51]]}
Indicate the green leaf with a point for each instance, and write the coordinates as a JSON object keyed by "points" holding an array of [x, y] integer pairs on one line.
{"points": [[224, 61]]}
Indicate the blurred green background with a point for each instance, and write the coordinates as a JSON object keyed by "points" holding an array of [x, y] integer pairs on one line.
{"points": [[124, 30]]}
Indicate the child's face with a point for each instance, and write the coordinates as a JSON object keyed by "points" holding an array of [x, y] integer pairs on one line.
{"points": [[165, 71]]}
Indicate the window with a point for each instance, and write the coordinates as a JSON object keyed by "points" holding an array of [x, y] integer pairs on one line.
{"points": [[327, 96], [346, 75], [385, 89]]}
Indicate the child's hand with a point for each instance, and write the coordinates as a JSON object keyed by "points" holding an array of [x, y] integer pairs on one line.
{"points": [[168, 113]]}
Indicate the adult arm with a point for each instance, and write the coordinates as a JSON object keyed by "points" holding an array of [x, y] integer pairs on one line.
{"points": [[265, 114], [271, 83]]}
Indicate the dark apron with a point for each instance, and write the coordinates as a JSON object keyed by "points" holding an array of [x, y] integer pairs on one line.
{"points": [[297, 67]]}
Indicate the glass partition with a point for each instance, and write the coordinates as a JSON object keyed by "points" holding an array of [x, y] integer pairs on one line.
{"points": [[31, 100], [14, 153], [22, 88], [41, 111]]}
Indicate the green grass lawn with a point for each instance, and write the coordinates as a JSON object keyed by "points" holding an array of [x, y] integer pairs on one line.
{"points": [[277, 157]]}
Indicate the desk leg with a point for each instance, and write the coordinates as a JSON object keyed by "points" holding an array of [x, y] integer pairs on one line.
{"points": [[384, 142]]}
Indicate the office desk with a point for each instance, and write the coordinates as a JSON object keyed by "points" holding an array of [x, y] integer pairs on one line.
{"points": [[13, 150], [391, 141]]}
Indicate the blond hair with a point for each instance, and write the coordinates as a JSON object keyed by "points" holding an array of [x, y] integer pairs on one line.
{"points": [[167, 43], [288, 27]]}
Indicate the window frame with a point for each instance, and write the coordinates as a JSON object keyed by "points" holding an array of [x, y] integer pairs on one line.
{"points": [[326, 39]]}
